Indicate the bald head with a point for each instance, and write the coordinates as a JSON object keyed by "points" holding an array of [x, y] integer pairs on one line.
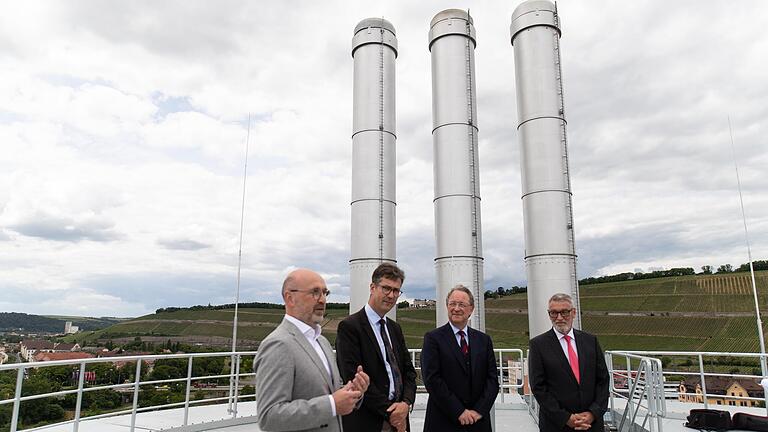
{"points": [[298, 278], [300, 302]]}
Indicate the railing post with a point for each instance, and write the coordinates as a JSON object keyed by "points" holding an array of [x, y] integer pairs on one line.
{"points": [[237, 386], [703, 382], [662, 409], [501, 374], [136, 381], [612, 386], [17, 402], [765, 377], [231, 381], [78, 406], [189, 384]]}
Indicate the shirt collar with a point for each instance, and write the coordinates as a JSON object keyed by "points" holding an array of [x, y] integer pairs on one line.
{"points": [[560, 336], [373, 317], [456, 329], [306, 330]]}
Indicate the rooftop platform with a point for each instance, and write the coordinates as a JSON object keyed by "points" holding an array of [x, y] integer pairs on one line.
{"points": [[512, 414], [657, 395]]}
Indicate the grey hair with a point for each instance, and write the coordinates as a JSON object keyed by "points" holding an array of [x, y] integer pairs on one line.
{"points": [[561, 297], [463, 289]]}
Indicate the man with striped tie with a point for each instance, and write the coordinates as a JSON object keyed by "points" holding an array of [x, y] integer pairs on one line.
{"points": [[370, 339], [567, 373]]}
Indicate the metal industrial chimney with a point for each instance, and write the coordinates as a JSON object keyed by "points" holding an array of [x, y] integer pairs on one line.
{"points": [[454, 136], [550, 254], [374, 49]]}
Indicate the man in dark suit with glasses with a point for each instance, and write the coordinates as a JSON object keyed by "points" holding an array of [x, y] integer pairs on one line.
{"points": [[567, 373], [370, 339], [459, 371]]}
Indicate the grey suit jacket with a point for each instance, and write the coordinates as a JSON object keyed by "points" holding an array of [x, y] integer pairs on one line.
{"points": [[292, 384]]}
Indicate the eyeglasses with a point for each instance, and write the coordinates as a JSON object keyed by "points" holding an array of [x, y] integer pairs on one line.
{"points": [[316, 293], [563, 313], [387, 290], [452, 305]]}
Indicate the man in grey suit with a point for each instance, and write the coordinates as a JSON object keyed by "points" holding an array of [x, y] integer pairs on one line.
{"points": [[298, 385]]}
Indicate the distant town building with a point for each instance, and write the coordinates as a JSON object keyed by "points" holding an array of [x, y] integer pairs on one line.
{"points": [[30, 347], [69, 328], [422, 303], [721, 391], [66, 347], [52, 356]]}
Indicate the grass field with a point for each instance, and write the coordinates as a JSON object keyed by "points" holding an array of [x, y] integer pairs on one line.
{"points": [[710, 313]]}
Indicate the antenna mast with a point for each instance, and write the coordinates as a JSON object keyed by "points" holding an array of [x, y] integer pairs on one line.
{"points": [[232, 387], [749, 255]]}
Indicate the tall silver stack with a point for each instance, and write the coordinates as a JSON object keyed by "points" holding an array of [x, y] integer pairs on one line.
{"points": [[550, 253], [454, 136], [374, 49]]}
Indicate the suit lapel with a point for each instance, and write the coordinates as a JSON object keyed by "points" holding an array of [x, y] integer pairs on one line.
{"points": [[560, 354], [474, 348], [328, 351], [450, 339], [583, 352], [304, 344], [363, 319]]}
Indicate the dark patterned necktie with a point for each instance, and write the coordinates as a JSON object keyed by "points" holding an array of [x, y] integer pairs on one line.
{"points": [[463, 343], [391, 359]]}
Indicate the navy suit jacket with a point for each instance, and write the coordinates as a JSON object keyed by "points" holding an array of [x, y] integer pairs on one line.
{"points": [[356, 345], [555, 387], [453, 385]]}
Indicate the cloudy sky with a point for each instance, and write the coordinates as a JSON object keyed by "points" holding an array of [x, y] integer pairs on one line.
{"points": [[123, 129]]}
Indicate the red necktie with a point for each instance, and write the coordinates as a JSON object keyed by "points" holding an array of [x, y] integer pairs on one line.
{"points": [[573, 359], [463, 343]]}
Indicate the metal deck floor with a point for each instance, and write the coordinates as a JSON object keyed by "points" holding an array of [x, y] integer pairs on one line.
{"points": [[511, 415]]}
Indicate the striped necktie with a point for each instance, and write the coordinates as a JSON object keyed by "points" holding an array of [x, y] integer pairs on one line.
{"points": [[391, 359]]}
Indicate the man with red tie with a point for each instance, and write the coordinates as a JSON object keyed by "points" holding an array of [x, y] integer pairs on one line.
{"points": [[567, 373], [459, 371]]}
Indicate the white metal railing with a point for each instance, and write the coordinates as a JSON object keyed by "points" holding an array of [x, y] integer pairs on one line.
{"points": [[633, 371], [511, 369], [510, 363], [644, 392], [81, 365], [700, 361]]}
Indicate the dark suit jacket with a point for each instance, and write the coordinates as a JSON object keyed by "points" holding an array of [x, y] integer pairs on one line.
{"points": [[453, 386], [356, 345], [555, 387]]}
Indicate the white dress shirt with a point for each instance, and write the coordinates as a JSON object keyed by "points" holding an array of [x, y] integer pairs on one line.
{"points": [[456, 333], [373, 319], [312, 333], [561, 338]]}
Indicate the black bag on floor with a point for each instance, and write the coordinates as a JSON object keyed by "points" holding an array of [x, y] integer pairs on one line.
{"points": [[709, 419], [750, 422]]}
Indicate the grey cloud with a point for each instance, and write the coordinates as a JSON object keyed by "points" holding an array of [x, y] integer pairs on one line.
{"points": [[182, 244], [155, 290], [66, 229]]}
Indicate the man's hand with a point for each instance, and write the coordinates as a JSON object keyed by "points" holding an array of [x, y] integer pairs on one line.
{"points": [[581, 421], [360, 382], [398, 413], [345, 400], [476, 416], [587, 418], [466, 418], [469, 417]]}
